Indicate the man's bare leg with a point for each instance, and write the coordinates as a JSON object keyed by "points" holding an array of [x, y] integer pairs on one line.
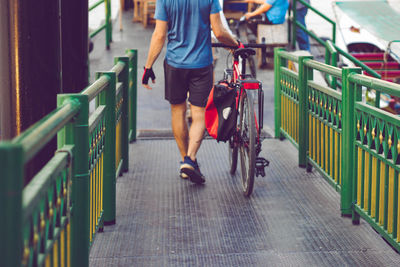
{"points": [[179, 127], [196, 132]]}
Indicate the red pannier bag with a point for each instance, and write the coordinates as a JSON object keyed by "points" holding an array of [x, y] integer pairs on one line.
{"points": [[220, 114]]}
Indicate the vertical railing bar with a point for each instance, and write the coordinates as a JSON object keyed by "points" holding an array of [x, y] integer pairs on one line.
{"points": [[371, 159], [108, 99], [133, 69], [349, 96], [395, 204], [124, 78], [77, 133], [11, 179], [277, 89], [386, 197]]}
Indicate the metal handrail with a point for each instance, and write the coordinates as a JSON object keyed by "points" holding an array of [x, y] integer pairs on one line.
{"points": [[86, 144], [318, 13], [107, 26], [45, 129]]}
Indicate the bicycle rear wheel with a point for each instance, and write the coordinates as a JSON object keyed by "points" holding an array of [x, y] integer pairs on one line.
{"points": [[247, 129], [233, 155]]}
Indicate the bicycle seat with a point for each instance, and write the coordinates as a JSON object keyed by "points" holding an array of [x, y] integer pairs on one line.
{"points": [[244, 52]]}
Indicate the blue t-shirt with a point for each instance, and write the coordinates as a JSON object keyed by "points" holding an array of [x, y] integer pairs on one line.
{"points": [[276, 14], [189, 31]]}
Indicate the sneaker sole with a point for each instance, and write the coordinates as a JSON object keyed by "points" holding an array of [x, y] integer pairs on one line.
{"points": [[194, 176], [181, 174]]}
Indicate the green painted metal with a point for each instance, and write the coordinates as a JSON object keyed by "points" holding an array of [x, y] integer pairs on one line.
{"points": [[107, 26], [133, 71], [93, 6], [304, 76], [124, 78], [46, 129], [287, 55], [340, 125], [11, 179], [107, 98], [324, 107], [96, 88], [108, 23], [324, 89], [45, 194], [350, 94], [381, 231], [277, 91], [331, 49], [297, 24], [377, 84], [290, 100], [294, 12], [46, 211], [364, 67], [97, 134], [334, 71], [76, 133], [98, 30], [96, 117], [331, 58]]}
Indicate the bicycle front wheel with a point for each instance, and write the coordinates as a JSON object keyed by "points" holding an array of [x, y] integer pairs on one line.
{"points": [[247, 128]]}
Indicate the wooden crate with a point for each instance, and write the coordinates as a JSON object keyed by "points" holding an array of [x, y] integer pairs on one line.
{"points": [[143, 11]]}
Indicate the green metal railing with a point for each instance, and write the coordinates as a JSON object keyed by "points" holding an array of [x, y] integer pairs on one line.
{"points": [[133, 62], [297, 24], [376, 148], [53, 220], [332, 51], [355, 146], [107, 26]]}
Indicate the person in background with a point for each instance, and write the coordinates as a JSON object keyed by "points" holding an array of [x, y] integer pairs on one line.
{"points": [[271, 11], [275, 10], [187, 68], [301, 36]]}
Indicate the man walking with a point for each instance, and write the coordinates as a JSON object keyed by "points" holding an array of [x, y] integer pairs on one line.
{"points": [[187, 68]]}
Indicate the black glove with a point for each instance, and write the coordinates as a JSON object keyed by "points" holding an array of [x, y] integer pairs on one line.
{"points": [[148, 73]]}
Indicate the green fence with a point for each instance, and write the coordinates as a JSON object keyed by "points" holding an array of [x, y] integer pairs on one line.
{"points": [[376, 146], [355, 146], [107, 25], [53, 219], [332, 51]]}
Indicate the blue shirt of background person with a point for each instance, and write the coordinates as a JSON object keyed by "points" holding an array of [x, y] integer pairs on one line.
{"points": [[188, 48], [277, 12]]}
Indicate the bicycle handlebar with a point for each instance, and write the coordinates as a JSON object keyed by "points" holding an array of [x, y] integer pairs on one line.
{"points": [[235, 47]]}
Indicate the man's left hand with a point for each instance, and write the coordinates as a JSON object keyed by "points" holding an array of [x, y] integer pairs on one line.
{"points": [[148, 73]]}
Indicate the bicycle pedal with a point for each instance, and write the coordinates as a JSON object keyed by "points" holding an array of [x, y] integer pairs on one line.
{"points": [[261, 163]]}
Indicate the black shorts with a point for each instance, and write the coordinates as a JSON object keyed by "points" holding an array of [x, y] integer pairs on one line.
{"points": [[178, 82]]}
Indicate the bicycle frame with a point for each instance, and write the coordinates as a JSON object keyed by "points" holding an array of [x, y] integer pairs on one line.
{"points": [[240, 79], [247, 136]]}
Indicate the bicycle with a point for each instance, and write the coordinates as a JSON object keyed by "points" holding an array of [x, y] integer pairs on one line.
{"points": [[247, 136], [242, 32]]}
